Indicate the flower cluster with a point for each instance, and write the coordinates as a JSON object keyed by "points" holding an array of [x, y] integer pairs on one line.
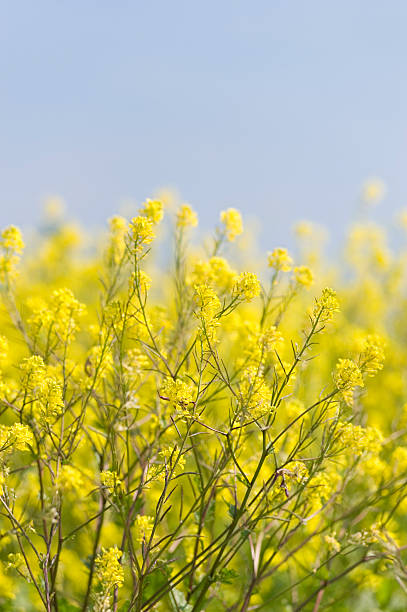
{"points": [[179, 393], [11, 247], [208, 305], [166, 421], [186, 217], [232, 220], [279, 259], [247, 286], [347, 377]]}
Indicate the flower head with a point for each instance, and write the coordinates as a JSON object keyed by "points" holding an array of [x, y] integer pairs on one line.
{"points": [[232, 220], [347, 376], [326, 305], [142, 232], [280, 259], [303, 276], [247, 286], [153, 210], [186, 216], [179, 393], [109, 572]]}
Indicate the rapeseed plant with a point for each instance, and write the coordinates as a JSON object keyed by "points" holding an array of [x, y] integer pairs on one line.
{"points": [[201, 437]]}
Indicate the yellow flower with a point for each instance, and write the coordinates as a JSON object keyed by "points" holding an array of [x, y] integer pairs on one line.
{"points": [[11, 247], [347, 376], [179, 393], [247, 286], [153, 210], [45, 392], [254, 394], [279, 259], [303, 276], [58, 319], [11, 240], [34, 370], [372, 356], [17, 437], [110, 480], [326, 305], [359, 439], [142, 232], [3, 349], [232, 220], [109, 572], [216, 272], [143, 526], [186, 216], [172, 462], [209, 305]]}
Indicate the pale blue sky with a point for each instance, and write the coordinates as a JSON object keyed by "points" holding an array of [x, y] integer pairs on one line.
{"points": [[280, 108]]}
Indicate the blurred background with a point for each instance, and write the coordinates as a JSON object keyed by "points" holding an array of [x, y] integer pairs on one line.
{"points": [[281, 109]]}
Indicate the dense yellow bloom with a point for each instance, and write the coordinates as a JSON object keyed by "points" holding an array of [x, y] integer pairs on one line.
{"points": [[180, 394], [3, 349], [143, 527], [153, 210], [208, 307], [279, 259], [45, 392], [34, 370], [11, 246], [232, 220], [247, 286], [254, 394], [359, 440], [347, 377], [176, 419], [142, 232], [372, 356], [186, 216], [326, 305], [110, 480], [15, 437], [109, 572], [221, 274], [58, 318], [216, 272], [11, 240], [303, 276]]}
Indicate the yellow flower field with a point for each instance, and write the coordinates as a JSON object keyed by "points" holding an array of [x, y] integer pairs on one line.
{"points": [[187, 428]]}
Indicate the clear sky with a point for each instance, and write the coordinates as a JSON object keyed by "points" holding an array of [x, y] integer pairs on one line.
{"points": [[278, 107]]}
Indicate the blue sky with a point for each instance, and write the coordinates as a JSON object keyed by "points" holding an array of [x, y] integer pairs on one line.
{"points": [[280, 108]]}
